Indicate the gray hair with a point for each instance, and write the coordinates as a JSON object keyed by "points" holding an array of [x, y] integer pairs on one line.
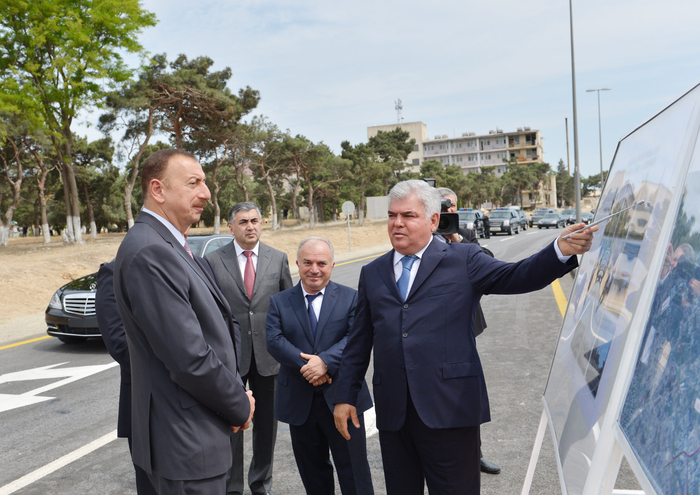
{"points": [[244, 206], [427, 195], [317, 239], [446, 191]]}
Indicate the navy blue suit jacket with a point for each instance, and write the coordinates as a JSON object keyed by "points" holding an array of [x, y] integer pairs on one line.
{"points": [[289, 334], [425, 344]]}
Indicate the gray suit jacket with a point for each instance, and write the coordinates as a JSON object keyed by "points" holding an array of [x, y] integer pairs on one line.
{"points": [[271, 276], [186, 389]]}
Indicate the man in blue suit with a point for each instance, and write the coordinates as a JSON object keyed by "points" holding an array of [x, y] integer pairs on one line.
{"points": [[307, 328], [428, 383]]}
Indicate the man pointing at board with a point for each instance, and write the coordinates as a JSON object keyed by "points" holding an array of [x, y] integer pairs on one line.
{"points": [[429, 387]]}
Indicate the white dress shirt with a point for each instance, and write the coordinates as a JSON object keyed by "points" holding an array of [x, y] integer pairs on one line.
{"points": [[398, 266], [242, 260], [316, 303]]}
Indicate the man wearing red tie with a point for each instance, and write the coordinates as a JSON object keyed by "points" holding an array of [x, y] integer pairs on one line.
{"points": [[249, 273]]}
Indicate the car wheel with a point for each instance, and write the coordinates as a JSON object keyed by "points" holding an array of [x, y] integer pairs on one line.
{"points": [[539, 227], [66, 339], [517, 230]]}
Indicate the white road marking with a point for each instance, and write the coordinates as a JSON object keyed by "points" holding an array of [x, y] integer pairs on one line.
{"points": [[12, 401], [57, 464], [507, 239], [535, 232]]}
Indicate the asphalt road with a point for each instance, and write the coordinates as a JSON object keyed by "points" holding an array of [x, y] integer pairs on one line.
{"points": [[78, 420]]}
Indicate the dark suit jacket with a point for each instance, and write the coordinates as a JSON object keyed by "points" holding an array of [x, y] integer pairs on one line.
{"points": [[114, 337], [271, 276], [426, 344], [186, 389], [289, 334], [469, 237]]}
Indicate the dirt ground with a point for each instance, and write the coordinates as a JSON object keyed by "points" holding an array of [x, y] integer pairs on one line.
{"points": [[30, 271]]}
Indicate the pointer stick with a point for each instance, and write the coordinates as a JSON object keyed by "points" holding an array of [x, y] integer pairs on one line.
{"points": [[640, 202]]}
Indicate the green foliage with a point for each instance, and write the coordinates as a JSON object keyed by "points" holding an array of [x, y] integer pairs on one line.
{"points": [[565, 186]]}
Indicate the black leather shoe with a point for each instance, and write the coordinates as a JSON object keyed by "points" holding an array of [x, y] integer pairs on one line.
{"points": [[489, 467]]}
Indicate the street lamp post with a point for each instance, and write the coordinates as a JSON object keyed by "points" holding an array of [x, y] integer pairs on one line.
{"points": [[577, 175], [600, 134]]}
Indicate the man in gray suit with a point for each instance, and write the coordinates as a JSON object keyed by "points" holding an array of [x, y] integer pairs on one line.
{"points": [[249, 274], [187, 394]]}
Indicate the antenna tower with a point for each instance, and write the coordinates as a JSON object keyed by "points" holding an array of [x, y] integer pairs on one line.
{"points": [[398, 107]]}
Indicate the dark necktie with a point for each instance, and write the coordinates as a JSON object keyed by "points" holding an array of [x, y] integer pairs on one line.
{"points": [[312, 314], [249, 274], [402, 282]]}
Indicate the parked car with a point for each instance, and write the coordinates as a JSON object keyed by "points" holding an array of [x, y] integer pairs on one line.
{"points": [[504, 220], [551, 220], [70, 315], [538, 214], [471, 219], [587, 217]]}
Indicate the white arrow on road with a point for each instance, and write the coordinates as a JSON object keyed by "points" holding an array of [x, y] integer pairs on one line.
{"points": [[10, 401]]}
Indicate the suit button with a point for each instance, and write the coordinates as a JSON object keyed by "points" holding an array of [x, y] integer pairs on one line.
{"points": [[251, 313], [405, 306], [405, 335], [224, 315], [248, 332], [403, 369]]}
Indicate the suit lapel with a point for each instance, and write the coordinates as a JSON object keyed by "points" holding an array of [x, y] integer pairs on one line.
{"points": [[386, 272], [228, 256], [264, 254], [431, 257], [296, 298], [168, 237], [330, 297]]}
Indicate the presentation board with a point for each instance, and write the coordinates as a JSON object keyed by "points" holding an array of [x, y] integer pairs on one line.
{"points": [[650, 164], [661, 414]]}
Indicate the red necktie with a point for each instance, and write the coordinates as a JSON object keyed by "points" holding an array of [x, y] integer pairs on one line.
{"points": [[249, 274]]}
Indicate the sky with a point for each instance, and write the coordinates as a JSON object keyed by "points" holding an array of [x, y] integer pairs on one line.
{"points": [[329, 69]]}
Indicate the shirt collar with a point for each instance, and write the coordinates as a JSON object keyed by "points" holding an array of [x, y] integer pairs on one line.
{"points": [[178, 235], [303, 290], [398, 256], [239, 249]]}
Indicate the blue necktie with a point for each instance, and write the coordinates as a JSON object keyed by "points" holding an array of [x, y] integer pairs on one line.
{"points": [[312, 314], [407, 262]]}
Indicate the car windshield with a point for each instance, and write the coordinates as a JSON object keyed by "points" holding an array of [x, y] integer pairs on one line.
{"points": [[551, 216], [569, 212], [466, 216], [500, 214]]}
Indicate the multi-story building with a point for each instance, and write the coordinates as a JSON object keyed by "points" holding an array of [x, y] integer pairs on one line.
{"points": [[416, 130], [471, 152]]}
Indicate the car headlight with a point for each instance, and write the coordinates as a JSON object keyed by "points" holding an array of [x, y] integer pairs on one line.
{"points": [[506, 223], [55, 302]]}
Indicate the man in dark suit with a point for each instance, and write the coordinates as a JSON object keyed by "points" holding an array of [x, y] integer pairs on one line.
{"points": [[307, 328], [112, 331], [187, 394], [429, 387], [467, 236], [249, 273]]}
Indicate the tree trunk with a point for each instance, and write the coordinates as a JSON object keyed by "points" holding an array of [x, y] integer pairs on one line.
{"points": [[361, 213], [16, 186], [273, 202], [128, 188], [66, 198], [310, 203], [69, 178], [91, 214]]}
